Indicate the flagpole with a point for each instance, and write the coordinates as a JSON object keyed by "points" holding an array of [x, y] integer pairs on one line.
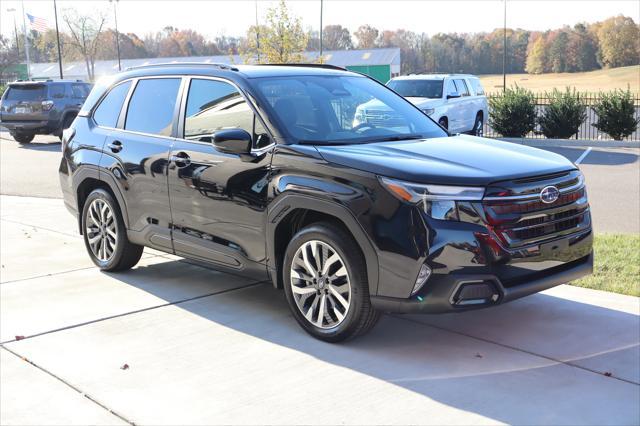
{"points": [[26, 41], [55, 11]]}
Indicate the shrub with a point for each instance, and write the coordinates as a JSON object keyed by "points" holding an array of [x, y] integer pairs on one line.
{"points": [[513, 114], [564, 114], [616, 114]]}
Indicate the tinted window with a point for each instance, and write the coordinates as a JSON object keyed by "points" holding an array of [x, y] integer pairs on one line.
{"points": [[462, 87], [80, 91], [26, 92], [152, 105], [56, 91], [109, 109], [214, 105], [341, 109], [418, 88]]}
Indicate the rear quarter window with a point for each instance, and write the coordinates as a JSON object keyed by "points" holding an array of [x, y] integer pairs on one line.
{"points": [[477, 86], [30, 92]]}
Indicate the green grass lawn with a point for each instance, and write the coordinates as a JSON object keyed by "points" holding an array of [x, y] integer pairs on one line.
{"points": [[617, 265]]}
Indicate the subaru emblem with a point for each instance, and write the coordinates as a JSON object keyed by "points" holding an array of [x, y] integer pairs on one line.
{"points": [[549, 194]]}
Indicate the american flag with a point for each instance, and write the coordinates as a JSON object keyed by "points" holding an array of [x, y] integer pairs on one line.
{"points": [[38, 24]]}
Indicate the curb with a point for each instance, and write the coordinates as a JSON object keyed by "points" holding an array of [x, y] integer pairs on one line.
{"points": [[573, 143]]}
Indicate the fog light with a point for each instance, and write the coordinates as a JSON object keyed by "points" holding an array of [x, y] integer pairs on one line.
{"points": [[423, 276]]}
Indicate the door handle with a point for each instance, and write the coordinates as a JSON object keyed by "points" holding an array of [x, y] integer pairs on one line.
{"points": [[181, 159], [115, 146]]}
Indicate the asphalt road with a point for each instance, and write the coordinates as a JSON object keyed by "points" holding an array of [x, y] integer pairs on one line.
{"points": [[170, 342], [612, 174]]}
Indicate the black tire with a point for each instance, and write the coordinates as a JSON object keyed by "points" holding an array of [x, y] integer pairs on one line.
{"points": [[124, 254], [23, 137], [478, 126], [360, 316], [443, 123]]}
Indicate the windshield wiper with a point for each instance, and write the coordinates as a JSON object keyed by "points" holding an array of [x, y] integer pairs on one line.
{"points": [[395, 138]]}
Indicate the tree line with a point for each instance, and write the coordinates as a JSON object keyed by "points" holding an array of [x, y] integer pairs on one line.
{"points": [[613, 42]]}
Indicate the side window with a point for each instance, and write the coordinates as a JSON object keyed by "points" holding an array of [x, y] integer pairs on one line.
{"points": [[477, 87], [451, 87], [462, 87], [56, 91], [108, 111], [215, 105], [261, 138], [79, 91], [152, 105]]}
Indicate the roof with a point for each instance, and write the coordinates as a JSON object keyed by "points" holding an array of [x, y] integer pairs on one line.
{"points": [[342, 58]]}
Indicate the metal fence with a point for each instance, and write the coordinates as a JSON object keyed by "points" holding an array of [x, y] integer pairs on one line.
{"points": [[586, 131]]}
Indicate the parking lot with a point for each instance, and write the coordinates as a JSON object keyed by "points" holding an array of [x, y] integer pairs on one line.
{"points": [[171, 342]]}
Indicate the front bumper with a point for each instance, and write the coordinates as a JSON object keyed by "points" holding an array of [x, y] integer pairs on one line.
{"points": [[442, 291]]}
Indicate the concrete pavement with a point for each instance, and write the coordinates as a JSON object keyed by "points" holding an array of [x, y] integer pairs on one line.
{"points": [[204, 347]]}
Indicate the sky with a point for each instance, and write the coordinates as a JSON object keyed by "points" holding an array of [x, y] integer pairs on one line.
{"points": [[217, 17]]}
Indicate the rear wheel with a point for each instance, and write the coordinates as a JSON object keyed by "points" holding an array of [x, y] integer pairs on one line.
{"points": [[23, 137], [105, 235], [326, 284]]}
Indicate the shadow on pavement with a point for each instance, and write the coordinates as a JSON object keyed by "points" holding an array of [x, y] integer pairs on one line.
{"points": [[42, 146], [459, 367]]}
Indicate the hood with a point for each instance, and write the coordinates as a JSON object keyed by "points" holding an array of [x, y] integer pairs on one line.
{"points": [[423, 103], [457, 160]]}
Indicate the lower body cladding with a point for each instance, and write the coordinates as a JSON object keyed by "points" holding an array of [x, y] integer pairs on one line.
{"points": [[476, 272]]}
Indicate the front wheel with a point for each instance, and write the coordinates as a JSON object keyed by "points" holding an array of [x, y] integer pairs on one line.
{"points": [[105, 235], [325, 283], [23, 137]]}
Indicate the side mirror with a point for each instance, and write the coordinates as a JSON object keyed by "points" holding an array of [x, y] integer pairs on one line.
{"points": [[453, 95], [233, 141]]}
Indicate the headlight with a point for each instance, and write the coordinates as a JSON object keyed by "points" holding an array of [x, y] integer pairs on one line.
{"points": [[438, 201], [428, 111]]}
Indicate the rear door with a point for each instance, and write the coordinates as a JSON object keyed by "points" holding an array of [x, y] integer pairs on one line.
{"points": [[453, 109], [218, 200], [136, 154], [465, 105], [24, 102]]}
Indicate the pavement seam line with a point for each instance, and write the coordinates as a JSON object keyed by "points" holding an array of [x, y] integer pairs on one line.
{"points": [[150, 256], [583, 156], [504, 345], [41, 227], [137, 311], [78, 390]]}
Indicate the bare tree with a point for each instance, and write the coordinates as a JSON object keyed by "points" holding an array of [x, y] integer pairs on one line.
{"points": [[85, 35]]}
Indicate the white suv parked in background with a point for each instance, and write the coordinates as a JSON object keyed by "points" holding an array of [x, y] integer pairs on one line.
{"points": [[456, 101]]}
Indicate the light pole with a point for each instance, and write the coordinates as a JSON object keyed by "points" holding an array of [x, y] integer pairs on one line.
{"points": [[115, 17], [55, 11], [504, 50], [321, 31], [12, 10]]}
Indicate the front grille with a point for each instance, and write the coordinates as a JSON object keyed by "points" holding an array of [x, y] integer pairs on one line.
{"points": [[519, 219]]}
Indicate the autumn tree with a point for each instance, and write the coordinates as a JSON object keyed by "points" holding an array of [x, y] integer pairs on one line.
{"points": [[281, 40], [537, 57], [336, 37], [619, 41], [366, 36], [85, 33]]}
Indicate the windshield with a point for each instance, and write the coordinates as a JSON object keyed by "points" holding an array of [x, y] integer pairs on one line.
{"points": [[26, 92], [341, 110], [417, 88]]}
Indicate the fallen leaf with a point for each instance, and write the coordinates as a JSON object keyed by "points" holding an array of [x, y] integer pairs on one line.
{"points": [[607, 373], [125, 367], [478, 355], [19, 337]]}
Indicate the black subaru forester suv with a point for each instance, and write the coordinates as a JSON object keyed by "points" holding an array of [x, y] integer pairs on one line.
{"points": [[274, 171]]}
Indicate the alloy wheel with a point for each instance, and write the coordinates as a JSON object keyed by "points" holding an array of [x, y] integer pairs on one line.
{"points": [[101, 231], [320, 284]]}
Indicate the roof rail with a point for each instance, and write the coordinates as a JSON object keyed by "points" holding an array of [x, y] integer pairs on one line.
{"points": [[327, 66], [166, 64]]}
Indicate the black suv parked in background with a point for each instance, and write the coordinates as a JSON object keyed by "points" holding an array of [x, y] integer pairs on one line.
{"points": [[30, 108], [270, 171]]}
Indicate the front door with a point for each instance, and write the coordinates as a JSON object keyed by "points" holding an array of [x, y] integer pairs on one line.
{"points": [[218, 200], [136, 155]]}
